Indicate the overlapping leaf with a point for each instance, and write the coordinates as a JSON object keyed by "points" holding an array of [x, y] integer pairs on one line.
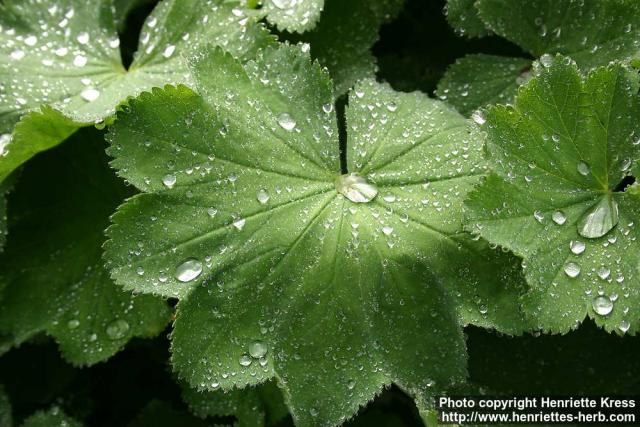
{"points": [[464, 18], [292, 15], [593, 33], [281, 273], [560, 198], [53, 417], [51, 275], [65, 54], [344, 36]]}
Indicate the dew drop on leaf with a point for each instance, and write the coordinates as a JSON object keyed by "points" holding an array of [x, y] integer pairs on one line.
{"points": [[258, 349], [245, 360], [600, 219], [117, 329], [602, 305], [286, 122], [73, 323], [584, 169], [624, 326], [577, 247], [239, 223], [559, 217], [356, 188], [604, 273], [188, 270], [572, 269], [262, 196], [90, 94], [169, 180]]}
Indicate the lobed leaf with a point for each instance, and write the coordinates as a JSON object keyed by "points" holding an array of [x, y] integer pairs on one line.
{"points": [[66, 55], [286, 269], [558, 198], [51, 275], [463, 16], [293, 15], [592, 33]]}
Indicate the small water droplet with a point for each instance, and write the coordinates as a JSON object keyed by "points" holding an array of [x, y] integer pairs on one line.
{"points": [[83, 38], [478, 117], [604, 273], [90, 94], [602, 305], [188, 270], [168, 51], [572, 269], [169, 180], [559, 217], [262, 196], [624, 326], [117, 329], [245, 360], [351, 384], [286, 122], [239, 223], [386, 230], [355, 188], [327, 108], [546, 60], [389, 198], [584, 169], [73, 323], [31, 41], [258, 349], [577, 247], [539, 216]]}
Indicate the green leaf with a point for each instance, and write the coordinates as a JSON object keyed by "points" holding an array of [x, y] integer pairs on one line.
{"points": [[462, 15], [293, 15], [66, 55], [477, 80], [51, 277], [344, 36], [593, 33], [559, 154], [3, 214], [53, 417], [280, 271], [252, 406]]}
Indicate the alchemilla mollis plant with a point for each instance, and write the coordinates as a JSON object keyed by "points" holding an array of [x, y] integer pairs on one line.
{"points": [[314, 212]]}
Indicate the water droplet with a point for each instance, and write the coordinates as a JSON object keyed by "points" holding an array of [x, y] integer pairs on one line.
{"points": [[73, 323], [559, 217], [258, 349], [546, 60], [17, 54], [387, 230], [584, 169], [168, 51], [245, 360], [262, 196], [624, 326], [392, 106], [188, 270], [351, 384], [117, 329], [327, 108], [478, 117], [212, 212], [577, 247], [602, 305], [572, 269], [539, 216], [355, 188], [140, 271], [80, 61], [389, 198], [286, 122], [90, 94], [83, 38], [282, 4], [239, 223], [600, 219], [169, 180], [31, 41], [604, 273]]}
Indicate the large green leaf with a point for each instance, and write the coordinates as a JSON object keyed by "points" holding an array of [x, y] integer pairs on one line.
{"points": [[282, 266], [560, 156], [51, 275], [292, 15], [66, 55], [344, 36], [53, 417], [593, 33], [252, 406]]}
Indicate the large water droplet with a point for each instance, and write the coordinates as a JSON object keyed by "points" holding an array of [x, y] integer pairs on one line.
{"points": [[571, 269], [286, 122], [117, 329], [624, 326], [90, 94], [239, 223], [245, 360], [355, 188], [73, 323], [600, 219], [602, 305], [169, 180], [258, 349], [188, 270]]}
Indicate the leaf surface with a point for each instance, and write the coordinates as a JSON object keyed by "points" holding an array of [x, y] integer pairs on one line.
{"points": [[280, 269], [51, 275], [592, 33], [463, 16], [66, 55], [53, 417], [560, 156], [293, 15]]}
